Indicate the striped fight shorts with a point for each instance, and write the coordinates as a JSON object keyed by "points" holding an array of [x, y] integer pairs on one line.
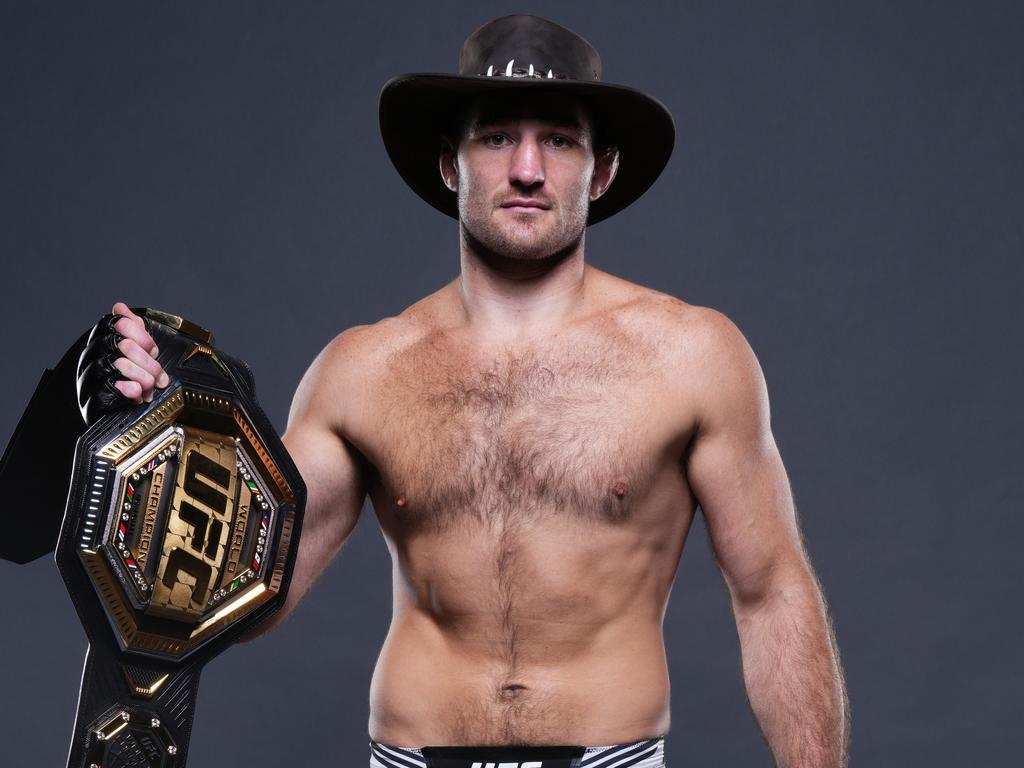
{"points": [[649, 753]]}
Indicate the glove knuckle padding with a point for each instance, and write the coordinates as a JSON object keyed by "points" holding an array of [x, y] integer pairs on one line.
{"points": [[97, 374]]}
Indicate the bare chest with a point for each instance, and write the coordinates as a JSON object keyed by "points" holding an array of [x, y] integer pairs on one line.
{"points": [[573, 431]]}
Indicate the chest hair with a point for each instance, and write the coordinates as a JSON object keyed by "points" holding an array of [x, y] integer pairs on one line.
{"points": [[501, 439]]}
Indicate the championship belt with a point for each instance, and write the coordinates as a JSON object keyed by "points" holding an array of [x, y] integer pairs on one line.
{"points": [[180, 532]]}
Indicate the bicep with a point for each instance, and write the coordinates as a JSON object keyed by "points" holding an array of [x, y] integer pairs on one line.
{"points": [[332, 469], [737, 474], [334, 487]]}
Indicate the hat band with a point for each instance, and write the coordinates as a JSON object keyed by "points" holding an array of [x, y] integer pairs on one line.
{"points": [[510, 70]]}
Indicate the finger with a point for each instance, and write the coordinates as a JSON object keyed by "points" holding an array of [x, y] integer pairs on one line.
{"points": [[136, 373], [136, 331], [120, 308], [142, 358], [130, 389]]}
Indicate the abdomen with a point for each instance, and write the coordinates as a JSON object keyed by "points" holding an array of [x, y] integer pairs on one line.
{"points": [[548, 632]]}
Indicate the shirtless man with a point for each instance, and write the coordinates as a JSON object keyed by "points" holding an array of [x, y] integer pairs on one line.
{"points": [[535, 438]]}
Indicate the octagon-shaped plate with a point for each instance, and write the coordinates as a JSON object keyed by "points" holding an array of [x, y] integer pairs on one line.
{"points": [[184, 520]]}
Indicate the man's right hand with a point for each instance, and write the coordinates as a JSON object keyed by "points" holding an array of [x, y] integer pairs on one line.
{"points": [[119, 365]]}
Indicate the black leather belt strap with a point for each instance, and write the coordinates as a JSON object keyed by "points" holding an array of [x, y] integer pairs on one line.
{"points": [[120, 722], [45, 436]]}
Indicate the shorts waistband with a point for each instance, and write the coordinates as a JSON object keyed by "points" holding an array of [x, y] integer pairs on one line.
{"points": [[648, 753]]}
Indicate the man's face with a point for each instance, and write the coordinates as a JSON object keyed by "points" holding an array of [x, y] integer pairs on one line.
{"points": [[524, 172]]}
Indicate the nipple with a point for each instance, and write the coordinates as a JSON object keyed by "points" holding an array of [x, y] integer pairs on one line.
{"points": [[619, 488], [401, 501]]}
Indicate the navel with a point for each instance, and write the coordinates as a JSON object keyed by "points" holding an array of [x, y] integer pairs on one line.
{"points": [[511, 691]]}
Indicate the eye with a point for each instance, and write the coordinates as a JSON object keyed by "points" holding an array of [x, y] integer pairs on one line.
{"points": [[496, 140], [559, 141]]}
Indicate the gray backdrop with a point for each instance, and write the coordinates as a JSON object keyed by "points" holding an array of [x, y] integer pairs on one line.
{"points": [[846, 187]]}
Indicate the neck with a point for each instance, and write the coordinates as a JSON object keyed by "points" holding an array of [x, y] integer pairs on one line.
{"points": [[505, 298]]}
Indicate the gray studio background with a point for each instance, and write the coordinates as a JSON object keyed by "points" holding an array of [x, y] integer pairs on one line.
{"points": [[846, 187]]}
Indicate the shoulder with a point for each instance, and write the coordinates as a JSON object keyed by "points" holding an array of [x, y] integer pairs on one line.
{"points": [[711, 340], [682, 327], [727, 385], [365, 348], [685, 328], [707, 356], [347, 371], [355, 359]]}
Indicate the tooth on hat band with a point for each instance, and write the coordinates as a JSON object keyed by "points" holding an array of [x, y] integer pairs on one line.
{"points": [[511, 71]]}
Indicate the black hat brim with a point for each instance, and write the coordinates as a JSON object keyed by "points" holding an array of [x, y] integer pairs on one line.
{"points": [[416, 110]]}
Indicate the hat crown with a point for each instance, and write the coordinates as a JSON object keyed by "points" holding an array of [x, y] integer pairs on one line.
{"points": [[524, 45]]}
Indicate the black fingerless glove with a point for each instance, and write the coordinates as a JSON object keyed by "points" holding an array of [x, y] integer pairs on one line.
{"points": [[96, 375]]}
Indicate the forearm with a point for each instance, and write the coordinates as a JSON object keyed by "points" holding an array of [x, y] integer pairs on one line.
{"points": [[315, 553], [793, 674], [335, 492], [296, 592]]}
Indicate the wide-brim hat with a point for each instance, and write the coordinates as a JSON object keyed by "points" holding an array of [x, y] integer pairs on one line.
{"points": [[515, 53]]}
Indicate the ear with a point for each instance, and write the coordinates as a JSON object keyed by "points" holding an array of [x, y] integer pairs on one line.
{"points": [[606, 165], [449, 165]]}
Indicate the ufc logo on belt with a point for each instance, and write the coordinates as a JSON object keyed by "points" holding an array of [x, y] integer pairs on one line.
{"points": [[533, 764]]}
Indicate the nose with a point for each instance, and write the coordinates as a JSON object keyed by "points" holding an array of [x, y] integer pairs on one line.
{"points": [[527, 169]]}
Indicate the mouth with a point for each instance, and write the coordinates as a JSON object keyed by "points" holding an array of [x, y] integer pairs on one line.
{"points": [[525, 205]]}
